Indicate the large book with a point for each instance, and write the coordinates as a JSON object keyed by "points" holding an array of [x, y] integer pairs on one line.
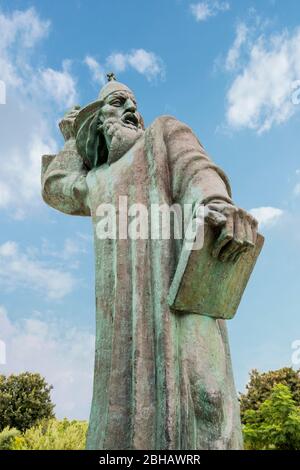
{"points": [[208, 286]]}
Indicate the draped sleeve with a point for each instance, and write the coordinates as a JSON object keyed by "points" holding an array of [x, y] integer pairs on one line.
{"points": [[193, 176], [64, 184]]}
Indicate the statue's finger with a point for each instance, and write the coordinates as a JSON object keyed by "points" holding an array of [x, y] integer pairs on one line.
{"points": [[254, 226], [230, 250], [237, 241], [239, 238], [225, 236], [236, 256], [239, 226], [246, 233], [226, 208], [249, 242], [215, 218], [249, 232]]}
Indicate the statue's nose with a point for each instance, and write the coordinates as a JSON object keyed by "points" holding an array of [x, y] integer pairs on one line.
{"points": [[129, 105]]}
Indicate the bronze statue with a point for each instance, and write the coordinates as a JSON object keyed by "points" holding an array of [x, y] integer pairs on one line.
{"points": [[163, 379]]}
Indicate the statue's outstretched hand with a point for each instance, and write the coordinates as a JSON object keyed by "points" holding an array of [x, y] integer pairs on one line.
{"points": [[238, 230], [66, 125]]}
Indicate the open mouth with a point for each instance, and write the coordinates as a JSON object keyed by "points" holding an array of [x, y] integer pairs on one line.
{"points": [[130, 119]]}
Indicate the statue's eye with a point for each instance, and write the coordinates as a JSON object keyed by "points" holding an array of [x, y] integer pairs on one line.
{"points": [[116, 102]]}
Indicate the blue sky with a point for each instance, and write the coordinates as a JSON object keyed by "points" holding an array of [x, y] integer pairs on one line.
{"points": [[229, 69]]}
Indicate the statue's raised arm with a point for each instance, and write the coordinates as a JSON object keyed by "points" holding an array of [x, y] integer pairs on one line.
{"points": [[64, 175]]}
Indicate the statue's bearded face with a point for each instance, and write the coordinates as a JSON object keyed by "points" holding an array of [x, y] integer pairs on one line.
{"points": [[120, 123]]}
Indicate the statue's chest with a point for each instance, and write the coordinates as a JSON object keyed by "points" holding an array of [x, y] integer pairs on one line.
{"points": [[129, 177]]}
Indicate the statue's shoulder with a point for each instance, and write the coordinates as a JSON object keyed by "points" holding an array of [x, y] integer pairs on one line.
{"points": [[167, 122], [170, 124], [171, 127]]}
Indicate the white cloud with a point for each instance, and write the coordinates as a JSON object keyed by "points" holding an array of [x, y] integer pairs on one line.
{"points": [[59, 85], [96, 70], [267, 216], [234, 52], [60, 352], [24, 25], [27, 119], [20, 31], [21, 149], [297, 189], [144, 62], [118, 61], [23, 269], [260, 95], [204, 10], [72, 249]]}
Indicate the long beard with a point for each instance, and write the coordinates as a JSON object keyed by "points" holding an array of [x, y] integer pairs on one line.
{"points": [[122, 136]]}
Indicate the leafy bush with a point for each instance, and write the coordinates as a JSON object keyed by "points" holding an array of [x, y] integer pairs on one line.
{"points": [[24, 401], [275, 424], [7, 438], [261, 384], [53, 435]]}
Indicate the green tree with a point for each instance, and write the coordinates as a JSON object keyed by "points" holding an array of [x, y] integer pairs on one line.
{"points": [[260, 386], [275, 424], [24, 400]]}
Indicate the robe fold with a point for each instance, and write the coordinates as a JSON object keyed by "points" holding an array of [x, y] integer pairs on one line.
{"points": [[162, 380]]}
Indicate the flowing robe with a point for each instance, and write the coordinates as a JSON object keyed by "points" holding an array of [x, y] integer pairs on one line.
{"points": [[162, 380]]}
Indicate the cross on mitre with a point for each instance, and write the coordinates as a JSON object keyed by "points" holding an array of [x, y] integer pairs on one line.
{"points": [[110, 76]]}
